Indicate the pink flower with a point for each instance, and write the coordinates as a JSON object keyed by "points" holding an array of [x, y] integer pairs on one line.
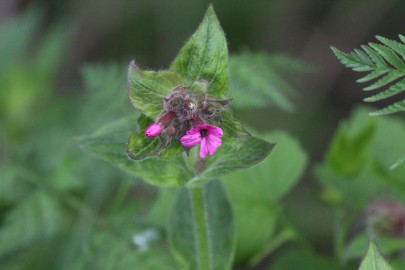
{"points": [[153, 130], [206, 135]]}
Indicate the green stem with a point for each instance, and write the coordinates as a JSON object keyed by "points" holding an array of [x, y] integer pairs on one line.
{"points": [[201, 229]]}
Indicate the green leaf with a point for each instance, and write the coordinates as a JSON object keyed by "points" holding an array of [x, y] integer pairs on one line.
{"points": [[231, 127], [303, 259], [15, 38], [392, 90], [386, 64], [234, 155], [374, 260], [360, 172], [140, 147], [255, 194], [110, 143], [124, 244], [356, 247], [147, 89], [348, 153], [205, 56], [397, 46], [36, 218], [52, 50], [11, 189], [160, 212], [396, 107], [102, 84], [203, 218], [258, 80]]}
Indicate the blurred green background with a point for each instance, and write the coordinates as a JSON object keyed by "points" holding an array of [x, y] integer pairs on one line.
{"points": [[62, 74]]}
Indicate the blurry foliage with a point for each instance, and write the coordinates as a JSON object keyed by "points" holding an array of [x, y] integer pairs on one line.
{"points": [[259, 80], [358, 160], [303, 259], [62, 210], [28, 70], [355, 172], [256, 194]]}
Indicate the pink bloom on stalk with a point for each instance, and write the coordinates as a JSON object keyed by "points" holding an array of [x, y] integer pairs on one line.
{"points": [[153, 130], [206, 135]]}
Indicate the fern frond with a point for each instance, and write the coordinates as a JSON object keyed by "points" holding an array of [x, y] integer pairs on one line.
{"points": [[395, 45], [396, 107], [385, 63]]}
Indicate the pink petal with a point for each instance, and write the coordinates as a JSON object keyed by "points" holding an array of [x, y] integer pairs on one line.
{"points": [[209, 145], [191, 139], [195, 130], [153, 130], [216, 131]]}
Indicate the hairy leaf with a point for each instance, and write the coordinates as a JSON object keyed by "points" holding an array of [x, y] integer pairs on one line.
{"points": [[237, 154], [147, 89], [231, 127], [140, 147], [205, 56], [110, 144]]}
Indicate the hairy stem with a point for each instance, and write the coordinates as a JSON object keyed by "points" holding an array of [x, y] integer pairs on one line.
{"points": [[201, 228]]}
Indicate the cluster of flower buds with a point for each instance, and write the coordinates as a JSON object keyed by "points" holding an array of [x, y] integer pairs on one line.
{"points": [[185, 118]]}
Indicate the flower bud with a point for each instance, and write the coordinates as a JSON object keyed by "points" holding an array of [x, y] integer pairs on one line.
{"points": [[153, 130], [387, 217], [167, 118]]}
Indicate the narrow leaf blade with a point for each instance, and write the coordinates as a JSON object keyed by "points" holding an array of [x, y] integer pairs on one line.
{"points": [[391, 91], [396, 107]]}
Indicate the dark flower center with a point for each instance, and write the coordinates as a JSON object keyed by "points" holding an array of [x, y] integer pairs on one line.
{"points": [[204, 133]]}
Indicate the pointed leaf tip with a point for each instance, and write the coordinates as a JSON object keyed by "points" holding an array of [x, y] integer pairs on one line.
{"points": [[374, 260], [205, 56]]}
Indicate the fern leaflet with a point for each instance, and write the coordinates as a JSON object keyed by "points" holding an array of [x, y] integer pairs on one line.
{"points": [[386, 66]]}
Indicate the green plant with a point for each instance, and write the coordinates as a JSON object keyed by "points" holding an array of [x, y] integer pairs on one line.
{"points": [[385, 62]]}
